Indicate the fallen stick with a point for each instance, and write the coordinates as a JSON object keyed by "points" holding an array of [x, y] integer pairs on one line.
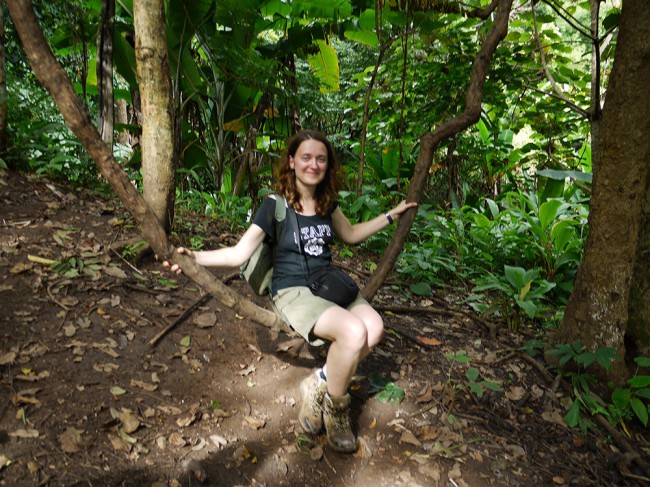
{"points": [[178, 320]]}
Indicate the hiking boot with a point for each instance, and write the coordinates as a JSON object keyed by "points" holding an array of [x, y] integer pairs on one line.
{"points": [[336, 416], [312, 391]]}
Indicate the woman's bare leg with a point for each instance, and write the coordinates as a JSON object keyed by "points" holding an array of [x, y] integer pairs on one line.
{"points": [[353, 334]]}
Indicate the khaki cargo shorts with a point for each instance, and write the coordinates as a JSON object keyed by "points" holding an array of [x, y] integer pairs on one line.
{"points": [[300, 309]]}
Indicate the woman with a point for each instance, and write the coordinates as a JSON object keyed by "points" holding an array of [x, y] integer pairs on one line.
{"points": [[307, 181]]}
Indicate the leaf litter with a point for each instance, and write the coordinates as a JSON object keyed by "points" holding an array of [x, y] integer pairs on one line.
{"points": [[102, 401]]}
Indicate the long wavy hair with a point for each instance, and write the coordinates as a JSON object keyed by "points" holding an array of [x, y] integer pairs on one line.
{"points": [[326, 191]]}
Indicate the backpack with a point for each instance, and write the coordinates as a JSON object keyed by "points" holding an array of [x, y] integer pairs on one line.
{"points": [[259, 268]]}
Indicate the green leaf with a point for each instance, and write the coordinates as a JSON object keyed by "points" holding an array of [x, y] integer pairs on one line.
{"points": [[621, 398], [572, 418], [421, 289], [640, 410], [167, 282], [476, 389], [492, 386], [325, 66], [639, 381], [643, 361], [547, 213], [185, 341], [366, 37], [392, 393], [472, 374], [644, 393]]}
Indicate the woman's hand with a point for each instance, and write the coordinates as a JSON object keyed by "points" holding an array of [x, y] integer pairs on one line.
{"points": [[396, 212], [175, 267]]}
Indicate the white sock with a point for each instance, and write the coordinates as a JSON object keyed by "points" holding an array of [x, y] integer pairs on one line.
{"points": [[323, 373]]}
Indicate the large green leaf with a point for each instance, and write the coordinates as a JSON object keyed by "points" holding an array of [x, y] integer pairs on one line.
{"points": [[367, 37], [547, 212], [322, 9], [325, 66]]}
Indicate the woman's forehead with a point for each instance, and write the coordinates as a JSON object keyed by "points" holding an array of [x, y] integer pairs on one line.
{"points": [[312, 146]]}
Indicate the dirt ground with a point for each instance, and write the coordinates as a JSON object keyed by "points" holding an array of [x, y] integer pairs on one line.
{"points": [[86, 399]]}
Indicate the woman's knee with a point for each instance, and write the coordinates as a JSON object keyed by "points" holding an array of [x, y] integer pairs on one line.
{"points": [[355, 335], [375, 327]]}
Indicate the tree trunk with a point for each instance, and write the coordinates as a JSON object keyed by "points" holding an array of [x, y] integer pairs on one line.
{"points": [[248, 164], [122, 118], [154, 80], [3, 82], [611, 288], [57, 83], [294, 111], [431, 140], [105, 70]]}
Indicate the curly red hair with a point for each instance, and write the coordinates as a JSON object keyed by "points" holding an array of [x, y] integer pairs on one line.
{"points": [[327, 190]]}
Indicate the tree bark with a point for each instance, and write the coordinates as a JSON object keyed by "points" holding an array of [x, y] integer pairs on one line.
{"points": [[105, 70], [3, 82], [431, 140], [50, 73], [154, 80], [611, 288]]}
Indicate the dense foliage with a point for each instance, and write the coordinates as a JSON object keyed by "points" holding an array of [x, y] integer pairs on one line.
{"points": [[507, 201]]}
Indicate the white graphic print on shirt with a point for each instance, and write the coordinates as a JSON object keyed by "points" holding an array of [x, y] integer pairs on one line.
{"points": [[313, 236]]}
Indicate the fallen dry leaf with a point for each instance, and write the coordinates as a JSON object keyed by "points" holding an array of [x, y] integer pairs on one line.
{"points": [[430, 341], [176, 439], [206, 320], [31, 377], [7, 358], [186, 420], [113, 271], [24, 433], [107, 367], [454, 473], [144, 385], [218, 440], [199, 445], [408, 437], [316, 453], [255, 423], [425, 395], [248, 370], [70, 440], [515, 393], [129, 420], [118, 444]]}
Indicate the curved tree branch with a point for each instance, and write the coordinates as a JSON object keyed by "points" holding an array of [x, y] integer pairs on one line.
{"points": [[431, 140], [50, 73]]}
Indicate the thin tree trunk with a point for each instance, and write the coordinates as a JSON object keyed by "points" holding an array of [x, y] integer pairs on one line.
{"points": [[50, 73], [154, 80], [430, 141], [105, 70], [248, 165], [3, 82], [294, 110], [122, 118]]}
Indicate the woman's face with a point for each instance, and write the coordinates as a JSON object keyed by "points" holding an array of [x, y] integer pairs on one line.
{"points": [[309, 163]]}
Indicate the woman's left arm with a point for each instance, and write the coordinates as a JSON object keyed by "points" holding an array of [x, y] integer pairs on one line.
{"points": [[352, 234]]}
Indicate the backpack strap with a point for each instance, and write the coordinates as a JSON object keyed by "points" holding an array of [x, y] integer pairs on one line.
{"points": [[280, 208]]}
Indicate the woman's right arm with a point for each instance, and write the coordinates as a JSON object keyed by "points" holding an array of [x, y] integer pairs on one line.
{"points": [[227, 256]]}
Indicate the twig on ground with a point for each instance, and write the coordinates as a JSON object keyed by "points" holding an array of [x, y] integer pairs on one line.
{"points": [[203, 299]]}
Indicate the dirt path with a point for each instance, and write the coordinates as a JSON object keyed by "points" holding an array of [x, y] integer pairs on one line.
{"points": [[86, 400]]}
